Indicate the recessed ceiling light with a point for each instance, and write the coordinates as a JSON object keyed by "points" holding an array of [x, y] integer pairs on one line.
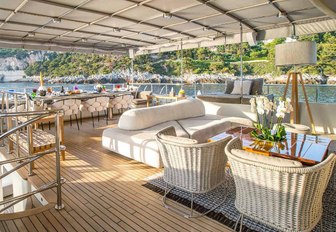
{"points": [[123, 45], [31, 34], [282, 14], [84, 39], [205, 28], [116, 29], [167, 15], [57, 20]]}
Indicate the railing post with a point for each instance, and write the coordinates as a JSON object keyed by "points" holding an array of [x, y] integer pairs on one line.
{"points": [[30, 149], [59, 205], [2, 142], [195, 89]]}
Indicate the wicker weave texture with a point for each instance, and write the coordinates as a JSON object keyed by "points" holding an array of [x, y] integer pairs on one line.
{"points": [[196, 168], [287, 198]]}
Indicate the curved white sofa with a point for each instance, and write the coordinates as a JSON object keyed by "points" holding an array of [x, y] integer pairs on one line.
{"points": [[135, 135]]}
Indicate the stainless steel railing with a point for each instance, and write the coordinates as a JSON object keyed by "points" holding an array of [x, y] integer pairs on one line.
{"points": [[31, 118]]}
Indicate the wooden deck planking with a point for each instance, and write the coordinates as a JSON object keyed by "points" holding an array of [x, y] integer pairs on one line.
{"points": [[103, 192]]}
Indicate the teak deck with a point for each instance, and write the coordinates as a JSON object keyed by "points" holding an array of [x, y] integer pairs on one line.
{"points": [[102, 192]]}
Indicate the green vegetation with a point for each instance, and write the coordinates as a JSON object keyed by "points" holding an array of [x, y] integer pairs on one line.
{"points": [[259, 60], [20, 54]]}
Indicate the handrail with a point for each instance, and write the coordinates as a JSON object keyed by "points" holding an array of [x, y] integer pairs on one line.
{"points": [[30, 158]]}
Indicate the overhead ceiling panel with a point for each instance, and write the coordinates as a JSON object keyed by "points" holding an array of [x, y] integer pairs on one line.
{"points": [[202, 33], [115, 22], [11, 33], [10, 4], [304, 14], [289, 6], [265, 10], [140, 27], [65, 39], [164, 21], [72, 2], [43, 36], [18, 27], [117, 33], [141, 13], [33, 19], [186, 27], [196, 12], [235, 4], [141, 37], [38, 7], [4, 14], [107, 6], [96, 29], [78, 34], [67, 24], [83, 16], [216, 20], [51, 31], [172, 5], [266, 21]]}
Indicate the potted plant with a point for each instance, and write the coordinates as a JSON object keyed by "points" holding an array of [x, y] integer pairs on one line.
{"points": [[269, 118]]}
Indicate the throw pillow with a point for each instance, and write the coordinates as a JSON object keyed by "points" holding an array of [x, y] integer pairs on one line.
{"points": [[229, 86], [246, 87], [257, 86]]}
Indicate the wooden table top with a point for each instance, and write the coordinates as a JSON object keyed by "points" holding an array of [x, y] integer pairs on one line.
{"points": [[308, 149]]}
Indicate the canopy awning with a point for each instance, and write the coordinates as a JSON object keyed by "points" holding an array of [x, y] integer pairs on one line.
{"points": [[150, 26]]}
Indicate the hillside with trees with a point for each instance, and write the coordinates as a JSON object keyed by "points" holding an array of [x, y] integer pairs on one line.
{"points": [[258, 60]]}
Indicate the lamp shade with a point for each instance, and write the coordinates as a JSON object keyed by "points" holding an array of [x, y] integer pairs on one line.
{"points": [[295, 53]]}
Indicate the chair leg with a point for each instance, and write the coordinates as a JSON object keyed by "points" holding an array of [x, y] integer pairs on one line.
{"points": [[98, 115], [236, 225], [192, 205], [77, 121], [106, 115], [49, 125], [42, 126], [70, 121], [241, 223], [81, 118], [92, 119]]}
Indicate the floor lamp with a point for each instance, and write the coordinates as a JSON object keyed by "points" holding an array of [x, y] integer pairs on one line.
{"points": [[296, 54]]}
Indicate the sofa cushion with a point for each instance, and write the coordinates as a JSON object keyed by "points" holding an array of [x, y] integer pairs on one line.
{"points": [[223, 98], [246, 87], [257, 86], [257, 158], [137, 119], [143, 94], [138, 145], [179, 140], [229, 86], [139, 101], [202, 130], [208, 117]]}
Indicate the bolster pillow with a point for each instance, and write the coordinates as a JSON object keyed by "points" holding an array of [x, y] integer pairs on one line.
{"points": [[138, 119]]}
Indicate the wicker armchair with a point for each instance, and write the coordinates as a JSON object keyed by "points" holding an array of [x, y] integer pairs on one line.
{"points": [[286, 198], [195, 168]]}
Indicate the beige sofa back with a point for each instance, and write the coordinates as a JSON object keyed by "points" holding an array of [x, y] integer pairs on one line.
{"points": [[138, 119]]}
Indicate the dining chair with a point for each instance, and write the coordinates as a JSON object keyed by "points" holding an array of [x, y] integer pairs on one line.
{"points": [[92, 105], [70, 107], [278, 192], [192, 167]]}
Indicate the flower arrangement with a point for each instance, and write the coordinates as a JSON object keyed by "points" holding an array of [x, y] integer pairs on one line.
{"points": [[99, 88], [269, 118]]}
